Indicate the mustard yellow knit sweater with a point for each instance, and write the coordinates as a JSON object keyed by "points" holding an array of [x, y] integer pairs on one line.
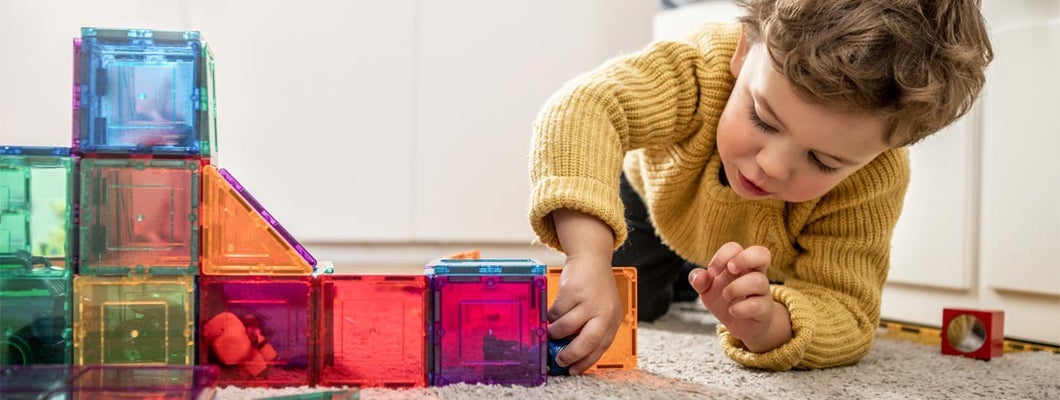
{"points": [[654, 114]]}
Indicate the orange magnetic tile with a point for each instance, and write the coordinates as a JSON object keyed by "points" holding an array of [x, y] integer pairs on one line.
{"points": [[623, 351], [237, 240]]}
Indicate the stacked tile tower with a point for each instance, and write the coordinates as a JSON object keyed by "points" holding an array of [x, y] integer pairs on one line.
{"points": [[174, 263], [143, 133]]}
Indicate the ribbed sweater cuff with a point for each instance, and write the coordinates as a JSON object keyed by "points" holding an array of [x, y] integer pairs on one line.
{"points": [[788, 355], [576, 193]]}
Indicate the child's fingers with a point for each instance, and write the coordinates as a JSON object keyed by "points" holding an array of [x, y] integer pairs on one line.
{"points": [[747, 285], [754, 258], [561, 307], [701, 280], [586, 348], [565, 324], [586, 362], [724, 255], [756, 308]]}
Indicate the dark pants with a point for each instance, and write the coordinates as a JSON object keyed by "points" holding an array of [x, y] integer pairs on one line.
{"points": [[660, 272]]}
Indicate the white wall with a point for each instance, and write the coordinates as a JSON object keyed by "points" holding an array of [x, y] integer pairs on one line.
{"points": [[403, 124]]}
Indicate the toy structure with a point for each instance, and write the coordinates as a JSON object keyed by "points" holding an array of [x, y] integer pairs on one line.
{"points": [[131, 256], [143, 112], [973, 333]]}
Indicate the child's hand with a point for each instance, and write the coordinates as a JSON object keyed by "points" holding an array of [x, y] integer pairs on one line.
{"points": [[588, 306], [735, 289]]}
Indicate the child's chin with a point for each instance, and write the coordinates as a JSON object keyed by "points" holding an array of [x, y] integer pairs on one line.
{"points": [[748, 195]]}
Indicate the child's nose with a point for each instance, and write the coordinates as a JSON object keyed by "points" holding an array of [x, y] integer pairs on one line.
{"points": [[776, 162]]}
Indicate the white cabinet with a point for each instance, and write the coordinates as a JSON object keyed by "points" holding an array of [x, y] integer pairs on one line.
{"points": [[1021, 174], [934, 243]]}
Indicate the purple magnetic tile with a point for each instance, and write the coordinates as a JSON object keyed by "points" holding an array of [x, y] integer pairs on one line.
{"points": [[489, 329], [268, 217], [75, 142], [277, 310], [77, 74]]}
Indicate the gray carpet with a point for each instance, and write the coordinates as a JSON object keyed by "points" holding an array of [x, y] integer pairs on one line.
{"points": [[680, 358]]}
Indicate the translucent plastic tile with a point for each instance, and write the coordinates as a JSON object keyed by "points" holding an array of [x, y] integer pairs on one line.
{"points": [[138, 91], [489, 329], [36, 212], [207, 108], [373, 330], [76, 114], [257, 329], [623, 351], [140, 320], [106, 382], [240, 237], [35, 321], [139, 216], [485, 266], [35, 382]]}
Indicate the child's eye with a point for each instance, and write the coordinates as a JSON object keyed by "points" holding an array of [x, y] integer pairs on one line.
{"points": [[759, 123], [820, 165]]}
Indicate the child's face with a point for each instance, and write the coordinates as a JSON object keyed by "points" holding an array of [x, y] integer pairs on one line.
{"points": [[774, 144]]}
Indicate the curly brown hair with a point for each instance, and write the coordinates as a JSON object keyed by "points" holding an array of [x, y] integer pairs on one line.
{"points": [[919, 65]]}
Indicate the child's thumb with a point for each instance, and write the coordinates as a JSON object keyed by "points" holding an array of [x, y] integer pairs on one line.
{"points": [[700, 279]]}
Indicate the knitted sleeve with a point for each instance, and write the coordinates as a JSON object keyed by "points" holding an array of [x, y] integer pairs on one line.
{"points": [[583, 132], [834, 298]]}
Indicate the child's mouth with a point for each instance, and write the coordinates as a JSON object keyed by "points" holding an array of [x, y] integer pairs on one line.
{"points": [[751, 187]]}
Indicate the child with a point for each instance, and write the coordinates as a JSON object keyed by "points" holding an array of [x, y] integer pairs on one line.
{"points": [[769, 155]]}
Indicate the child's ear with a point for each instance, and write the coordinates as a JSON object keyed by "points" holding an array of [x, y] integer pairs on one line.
{"points": [[742, 47]]}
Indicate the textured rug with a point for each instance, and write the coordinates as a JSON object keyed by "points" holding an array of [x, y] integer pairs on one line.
{"points": [[680, 359]]}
